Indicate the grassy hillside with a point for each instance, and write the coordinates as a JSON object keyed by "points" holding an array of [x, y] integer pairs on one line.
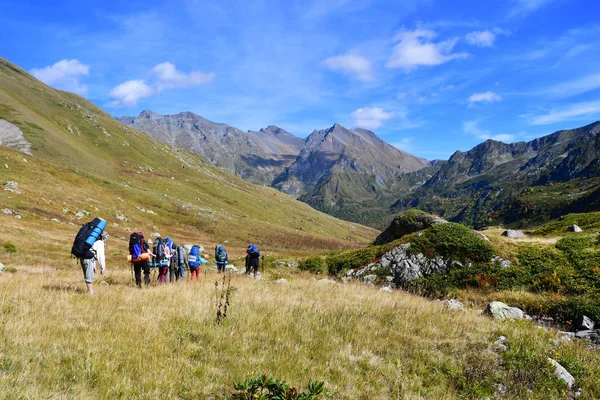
{"points": [[85, 160], [163, 342]]}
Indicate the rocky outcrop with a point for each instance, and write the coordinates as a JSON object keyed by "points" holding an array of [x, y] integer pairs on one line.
{"points": [[11, 136], [403, 266], [408, 222]]}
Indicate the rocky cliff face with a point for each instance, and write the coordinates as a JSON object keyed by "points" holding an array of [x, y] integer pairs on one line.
{"points": [[255, 156]]}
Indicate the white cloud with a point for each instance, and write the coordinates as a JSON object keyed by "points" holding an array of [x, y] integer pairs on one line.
{"points": [[488, 97], [168, 77], [164, 76], [371, 117], [64, 75], [579, 111], [481, 38], [415, 49], [472, 127], [351, 64], [128, 93], [527, 6], [575, 87]]}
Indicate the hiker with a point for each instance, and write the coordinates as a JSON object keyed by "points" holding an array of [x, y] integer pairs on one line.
{"points": [[181, 260], [169, 253], [221, 258], [137, 248], [252, 259], [194, 261], [160, 259], [83, 249]]}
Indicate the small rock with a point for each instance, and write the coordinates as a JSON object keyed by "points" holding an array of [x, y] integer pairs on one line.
{"points": [[79, 214], [7, 211], [562, 373], [386, 289], [54, 220], [17, 216], [1, 267], [370, 278], [231, 268], [500, 310], [12, 187], [500, 389], [282, 281], [584, 323], [453, 304], [574, 228], [513, 234], [121, 217]]}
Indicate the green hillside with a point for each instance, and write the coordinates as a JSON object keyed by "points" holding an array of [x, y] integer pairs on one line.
{"points": [[85, 160]]}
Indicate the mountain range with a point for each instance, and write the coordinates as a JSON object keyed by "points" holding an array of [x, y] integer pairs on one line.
{"points": [[354, 175], [348, 173]]}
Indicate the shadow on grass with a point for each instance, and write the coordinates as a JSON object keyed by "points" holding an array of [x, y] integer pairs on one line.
{"points": [[64, 288]]}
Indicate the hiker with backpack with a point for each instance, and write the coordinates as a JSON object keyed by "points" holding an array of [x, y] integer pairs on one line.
{"points": [[170, 254], [252, 259], [160, 259], [83, 249], [140, 254], [220, 258], [181, 261], [194, 261]]}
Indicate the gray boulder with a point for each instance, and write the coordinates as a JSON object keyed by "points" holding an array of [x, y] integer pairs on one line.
{"points": [[574, 228], [562, 373], [1, 267], [453, 304], [584, 323], [593, 335], [12, 136], [499, 310], [513, 234]]}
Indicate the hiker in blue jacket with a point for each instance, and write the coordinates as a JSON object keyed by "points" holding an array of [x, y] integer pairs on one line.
{"points": [[220, 258]]}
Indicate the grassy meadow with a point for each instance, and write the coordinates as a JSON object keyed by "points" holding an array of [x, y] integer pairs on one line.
{"points": [[164, 342]]}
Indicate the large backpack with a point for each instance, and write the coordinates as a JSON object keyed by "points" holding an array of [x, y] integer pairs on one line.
{"points": [[220, 254], [86, 237], [136, 245], [159, 249], [253, 251], [194, 257], [180, 255]]}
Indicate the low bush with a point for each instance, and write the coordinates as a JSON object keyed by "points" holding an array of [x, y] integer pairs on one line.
{"points": [[10, 247], [266, 387], [312, 264], [452, 241], [338, 262]]}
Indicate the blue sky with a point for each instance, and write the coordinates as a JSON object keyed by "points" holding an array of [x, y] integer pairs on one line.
{"points": [[429, 76]]}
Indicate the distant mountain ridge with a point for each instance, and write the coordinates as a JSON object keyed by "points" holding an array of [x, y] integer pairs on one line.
{"points": [[254, 156], [513, 183]]}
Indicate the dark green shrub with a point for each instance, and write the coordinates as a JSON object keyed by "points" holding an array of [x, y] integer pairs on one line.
{"points": [[452, 241], [312, 264], [574, 243], [10, 247], [337, 262], [262, 386], [573, 308]]}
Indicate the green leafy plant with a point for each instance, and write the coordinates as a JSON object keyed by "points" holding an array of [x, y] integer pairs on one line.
{"points": [[312, 264], [10, 247], [266, 387]]}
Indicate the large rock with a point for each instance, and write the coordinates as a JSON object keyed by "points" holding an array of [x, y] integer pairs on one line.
{"points": [[574, 228], [402, 266], [499, 310], [593, 335], [12, 136], [562, 373], [408, 222], [584, 323], [513, 234]]}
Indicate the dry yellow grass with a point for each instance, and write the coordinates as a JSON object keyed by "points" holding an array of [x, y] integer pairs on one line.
{"points": [[163, 342]]}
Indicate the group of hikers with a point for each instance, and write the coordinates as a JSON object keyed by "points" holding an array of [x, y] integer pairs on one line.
{"points": [[170, 259]]}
